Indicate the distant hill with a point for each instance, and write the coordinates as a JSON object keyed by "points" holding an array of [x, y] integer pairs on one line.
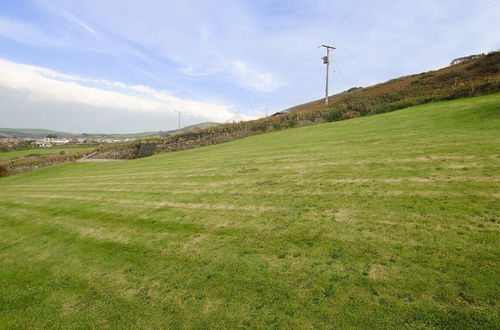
{"points": [[189, 128], [37, 133]]}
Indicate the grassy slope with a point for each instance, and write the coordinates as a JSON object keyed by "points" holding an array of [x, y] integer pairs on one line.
{"points": [[382, 221], [41, 151]]}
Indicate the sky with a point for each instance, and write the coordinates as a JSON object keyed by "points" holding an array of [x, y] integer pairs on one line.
{"points": [[116, 66]]}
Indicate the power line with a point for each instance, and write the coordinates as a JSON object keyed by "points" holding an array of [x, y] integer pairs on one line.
{"points": [[415, 33], [347, 82]]}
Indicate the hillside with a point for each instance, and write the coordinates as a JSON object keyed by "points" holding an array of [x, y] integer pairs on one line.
{"points": [[35, 133], [475, 76], [195, 127], [388, 220], [478, 76]]}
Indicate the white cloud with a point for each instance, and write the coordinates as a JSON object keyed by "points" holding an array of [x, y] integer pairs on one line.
{"points": [[253, 79], [24, 32], [48, 86], [66, 15], [240, 72], [244, 52]]}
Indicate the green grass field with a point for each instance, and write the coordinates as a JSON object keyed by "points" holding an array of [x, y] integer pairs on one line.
{"points": [[388, 221], [41, 151]]}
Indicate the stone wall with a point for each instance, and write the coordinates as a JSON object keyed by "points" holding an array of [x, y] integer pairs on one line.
{"points": [[27, 165]]}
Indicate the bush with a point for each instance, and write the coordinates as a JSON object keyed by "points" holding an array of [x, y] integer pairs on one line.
{"points": [[146, 149], [361, 105], [158, 139], [335, 113], [349, 114], [278, 126], [4, 170], [259, 126]]}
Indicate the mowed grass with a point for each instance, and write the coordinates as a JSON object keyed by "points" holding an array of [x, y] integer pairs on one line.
{"points": [[41, 151], [389, 221]]}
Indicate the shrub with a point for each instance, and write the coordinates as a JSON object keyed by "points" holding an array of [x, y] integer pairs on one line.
{"points": [[4, 170], [157, 138], [335, 113], [259, 126], [146, 149], [349, 114], [277, 126]]}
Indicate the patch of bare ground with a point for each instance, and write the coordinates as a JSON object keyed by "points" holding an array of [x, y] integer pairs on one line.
{"points": [[100, 234], [194, 241], [414, 222], [158, 182], [70, 305], [301, 164], [211, 305], [377, 272], [267, 183], [345, 216], [270, 192], [212, 206], [296, 180], [43, 255], [408, 179], [464, 166]]}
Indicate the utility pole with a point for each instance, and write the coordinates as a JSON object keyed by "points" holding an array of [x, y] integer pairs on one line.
{"points": [[179, 112], [326, 60]]}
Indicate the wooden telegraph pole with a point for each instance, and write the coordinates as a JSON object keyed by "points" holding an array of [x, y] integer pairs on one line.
{"points": [[326, 60], [179, 112]]}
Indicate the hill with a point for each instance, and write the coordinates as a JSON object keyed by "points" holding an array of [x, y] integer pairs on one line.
{"points": [[388, 221], [470, 76], [190, 128], [35, 133]]}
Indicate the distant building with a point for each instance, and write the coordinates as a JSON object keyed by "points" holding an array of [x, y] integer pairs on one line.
{"points": [[59, 141], [42, 143], [465, 59]]}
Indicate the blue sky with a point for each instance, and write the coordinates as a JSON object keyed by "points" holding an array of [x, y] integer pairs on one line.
{"points": [[126, 66]]}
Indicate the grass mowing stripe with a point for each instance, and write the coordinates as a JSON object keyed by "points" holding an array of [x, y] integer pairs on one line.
{"points": [[392, 218], [210, 206], [281, 192]]}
